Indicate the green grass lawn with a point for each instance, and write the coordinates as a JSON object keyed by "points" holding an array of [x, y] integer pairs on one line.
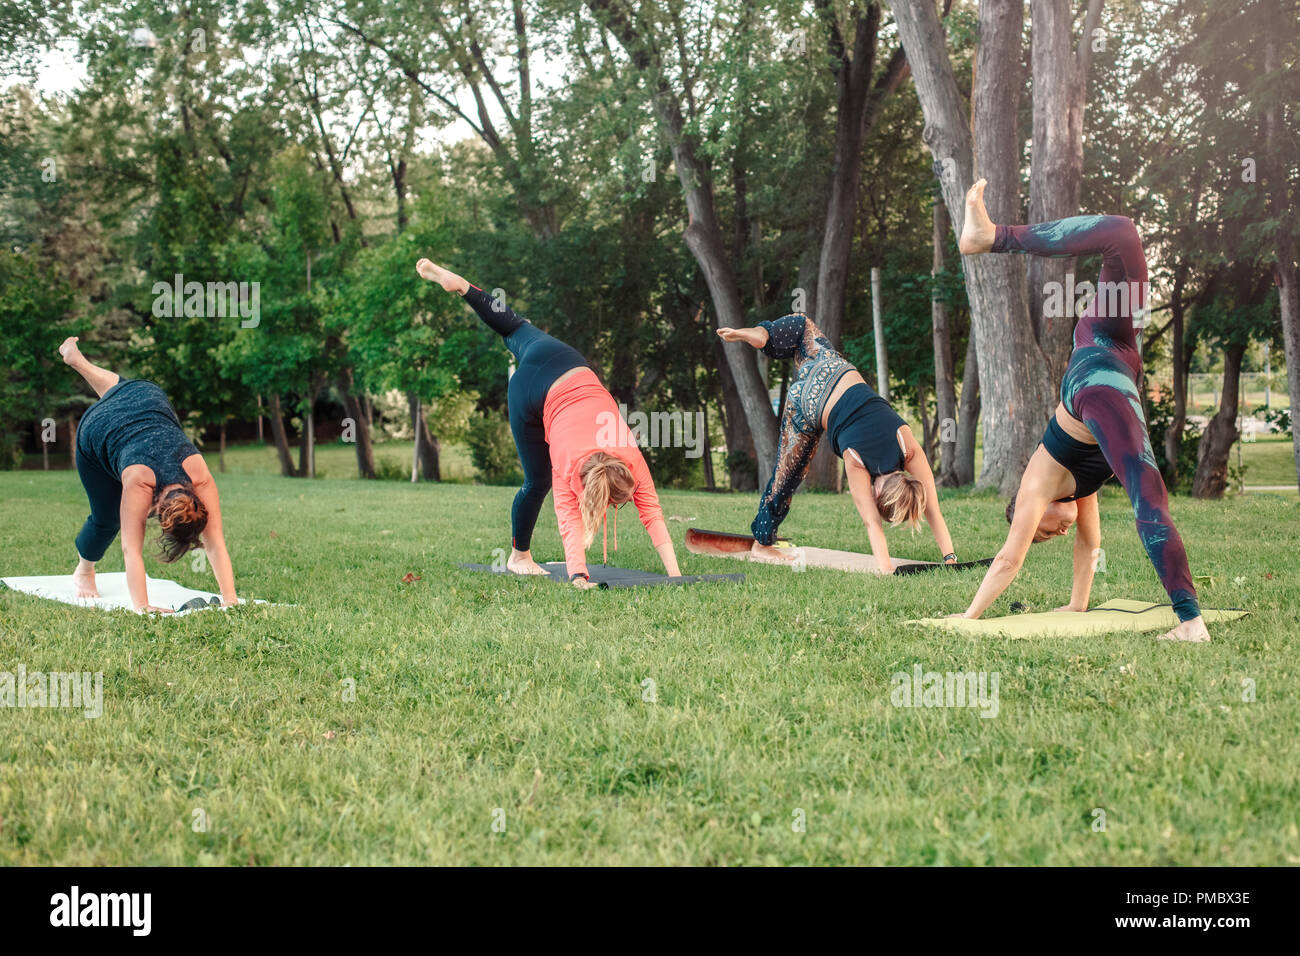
{"points": [[339, 460], [482, 699], [1269, 460]]}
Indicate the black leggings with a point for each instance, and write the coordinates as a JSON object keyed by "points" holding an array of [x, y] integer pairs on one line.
{"points": [[539, 361], [105, 494]]}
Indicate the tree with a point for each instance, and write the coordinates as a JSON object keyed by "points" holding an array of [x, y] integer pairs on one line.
{"points": [[1013, 369]]}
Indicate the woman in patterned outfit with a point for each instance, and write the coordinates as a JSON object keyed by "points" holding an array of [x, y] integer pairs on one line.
{"points": [[1098, 427], [889, 477]]}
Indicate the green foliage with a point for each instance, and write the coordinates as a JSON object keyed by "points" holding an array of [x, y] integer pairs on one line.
{"points": [[492, 449], [34, 306], [1279, 419], [1159, 417]]}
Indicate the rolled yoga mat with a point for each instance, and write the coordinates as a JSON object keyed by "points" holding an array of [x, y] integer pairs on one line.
{"points": [[113, 593], [608, 577], [1117, 615], [720, 544]]}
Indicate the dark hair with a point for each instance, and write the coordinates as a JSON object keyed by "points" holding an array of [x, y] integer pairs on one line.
{"points": [[182, 517], [1011, 510]]}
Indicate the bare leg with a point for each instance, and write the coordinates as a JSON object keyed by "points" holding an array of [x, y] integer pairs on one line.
{"points": [[83, 579], [100, 379], [978, 231], [448, 280]]}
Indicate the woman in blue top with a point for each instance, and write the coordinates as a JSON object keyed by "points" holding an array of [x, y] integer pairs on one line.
{"points": [[889, 477], [135, 463]]}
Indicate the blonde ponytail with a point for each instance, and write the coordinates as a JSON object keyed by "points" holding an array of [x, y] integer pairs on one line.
{"points": [[605, 479], [901, 499]]}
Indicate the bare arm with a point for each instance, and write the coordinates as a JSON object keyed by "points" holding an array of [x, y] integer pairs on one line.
{"points": [[137, 499], [1087, 541], [864, 499], [914, 462], [214, 539], [669, 558], [1031, 503]]}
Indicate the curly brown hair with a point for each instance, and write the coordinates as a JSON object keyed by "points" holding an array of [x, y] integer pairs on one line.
{"points": [[182, 517]]}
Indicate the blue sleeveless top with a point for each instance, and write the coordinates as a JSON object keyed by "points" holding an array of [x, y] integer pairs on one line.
{"points": [[868, 424], [133, 423]]}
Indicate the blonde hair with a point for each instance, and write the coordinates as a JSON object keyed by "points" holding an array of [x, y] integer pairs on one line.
{"points": [[605, 479], [901, 499]]}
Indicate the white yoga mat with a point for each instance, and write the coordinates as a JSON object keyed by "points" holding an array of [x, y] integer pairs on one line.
{"points": [[113, 594]]}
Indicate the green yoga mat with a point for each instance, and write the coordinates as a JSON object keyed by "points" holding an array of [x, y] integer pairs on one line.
{"points": [[1118, 615]]}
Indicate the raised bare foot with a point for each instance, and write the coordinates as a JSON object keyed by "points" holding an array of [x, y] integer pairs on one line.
{"points": [[69, 350], [521, 562], [978, 231], [1193, 631], [83, 583], [436, 273]]}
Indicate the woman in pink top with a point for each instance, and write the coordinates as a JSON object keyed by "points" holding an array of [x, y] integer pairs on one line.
{"points": [[570, 437]]}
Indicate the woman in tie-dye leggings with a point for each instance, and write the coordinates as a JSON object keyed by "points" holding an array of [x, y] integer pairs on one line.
{"points": [[1100, 411]]}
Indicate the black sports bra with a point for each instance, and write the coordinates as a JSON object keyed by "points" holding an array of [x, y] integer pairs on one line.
{"points": [[1084, 461]]}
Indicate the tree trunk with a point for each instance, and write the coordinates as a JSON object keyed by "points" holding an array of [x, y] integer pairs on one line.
{"points": [[1179, 351], [857, 107], [356, 411], [307, 441], [878, 333], [1212, 455], [704, 239], [968, 417], [413, 400], [1060, 73], [710, 483], [1012, 368], [945, 384], [734, 426], [927, 429], [430, 449], [221, 450], [852, 85], [276, 416], [703, 234], [1284, 271]]}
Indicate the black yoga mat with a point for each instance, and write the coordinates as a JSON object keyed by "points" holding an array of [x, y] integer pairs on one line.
{"points": [[608, 577], [921, 568]]}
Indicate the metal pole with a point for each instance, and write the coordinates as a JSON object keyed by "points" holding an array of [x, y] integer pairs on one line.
{"points": [[877, 324]]}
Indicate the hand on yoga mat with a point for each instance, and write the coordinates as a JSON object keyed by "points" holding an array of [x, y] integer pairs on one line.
{"points": [[583, 584], [151, 609]]}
